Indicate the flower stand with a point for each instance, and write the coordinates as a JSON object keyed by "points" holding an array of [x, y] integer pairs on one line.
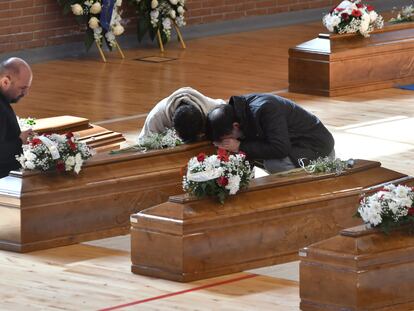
{"points": [[335, 65], [360, 270], [179, 35], [118, 47], [187, 239]]}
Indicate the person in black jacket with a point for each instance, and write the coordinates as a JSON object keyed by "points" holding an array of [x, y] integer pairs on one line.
{"points": [[269, 128], [15, 81]]}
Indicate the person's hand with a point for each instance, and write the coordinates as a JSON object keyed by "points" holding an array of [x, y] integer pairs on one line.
{"points": [[229, 144], [24, 135]]}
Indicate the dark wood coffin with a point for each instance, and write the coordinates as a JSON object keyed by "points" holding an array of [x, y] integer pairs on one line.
{"points": [[333, 65], [43, 210], [187, 239], [360, 270]]}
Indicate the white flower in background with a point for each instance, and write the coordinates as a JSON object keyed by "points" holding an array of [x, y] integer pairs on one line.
{"points": [[89, 3], [172, 14], [154, 4], [180, 21], [93, 23], [118, 2], [181, 2], [174, 2], [180, 10], [110, 37], [96, 8], [118, 30], [97, 33], [234, 184], [166, 23], [77, 9], [69, 163]]}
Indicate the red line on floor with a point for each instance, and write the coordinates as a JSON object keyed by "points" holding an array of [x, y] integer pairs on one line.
{"points": [[244, 277]]}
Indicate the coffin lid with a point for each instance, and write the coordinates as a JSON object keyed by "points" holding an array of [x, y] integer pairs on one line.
{"points": [[60, 123], [329, 43]]}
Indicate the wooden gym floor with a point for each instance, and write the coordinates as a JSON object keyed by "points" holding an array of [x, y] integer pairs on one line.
{"points": [[96, 276]]}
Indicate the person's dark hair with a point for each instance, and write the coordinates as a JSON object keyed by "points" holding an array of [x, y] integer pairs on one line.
{"points": [[188, 121], [220, 122]]}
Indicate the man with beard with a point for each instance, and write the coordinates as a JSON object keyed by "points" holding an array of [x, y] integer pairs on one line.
{"points": [[15, 81]]}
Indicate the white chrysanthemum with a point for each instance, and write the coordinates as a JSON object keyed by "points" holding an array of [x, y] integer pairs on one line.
{"points": [[77, 9], [402, 191], [172, 14], [166, 23], [174, 2], [154, 4], [96, 8], [373, 16], [180, 10], [118, 30], [234, 184], [93, 23]]}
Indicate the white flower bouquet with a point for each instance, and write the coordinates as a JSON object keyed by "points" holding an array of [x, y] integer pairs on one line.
{"points": [[217, 175], [95, 15], [154, 15], [391, 206], [353, 17], [404, 16], [54, 152]]}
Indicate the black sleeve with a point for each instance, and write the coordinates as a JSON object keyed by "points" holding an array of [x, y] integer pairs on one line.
{"points": [[10, 145], [276, 143]]}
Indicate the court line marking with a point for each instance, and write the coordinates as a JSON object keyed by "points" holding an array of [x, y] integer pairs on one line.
{"points": [[133, 303]]}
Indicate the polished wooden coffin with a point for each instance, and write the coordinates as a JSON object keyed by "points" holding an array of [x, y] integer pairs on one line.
{"points": [[41, 210], [360, 270], [187, 239], [93, 135], [333, 65]]}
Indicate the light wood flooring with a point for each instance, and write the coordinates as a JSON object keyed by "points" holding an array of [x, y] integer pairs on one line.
{"points": [[94, 276]]}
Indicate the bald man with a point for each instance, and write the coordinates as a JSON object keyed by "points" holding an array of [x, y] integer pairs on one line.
{"points": [[15, 82]]}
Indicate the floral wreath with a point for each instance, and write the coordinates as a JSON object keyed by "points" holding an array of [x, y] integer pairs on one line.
{"points": [[101, 17], [159, 15]]}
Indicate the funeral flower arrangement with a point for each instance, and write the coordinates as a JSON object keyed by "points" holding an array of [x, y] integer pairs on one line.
{"points": [[326, 165], [54, 152], [217, 175], [154, 141], [102, 19], [154, 15], [353, 17], [405, 15], [391, 206]]}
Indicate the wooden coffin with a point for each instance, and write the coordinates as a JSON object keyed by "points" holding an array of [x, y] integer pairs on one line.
{"points": [[360, 270], [333, 65], [43, 210], [187, 239], [93, 135]]}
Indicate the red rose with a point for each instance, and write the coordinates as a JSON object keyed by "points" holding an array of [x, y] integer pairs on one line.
{"points": [[411, 211], [201, 157], [370, 8], [60, 166], [242, 153], [356, 13], [72, 145], [359, 5], [222, 155], [345, 16], [35, 141], [69, 135], [222, 181]]}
